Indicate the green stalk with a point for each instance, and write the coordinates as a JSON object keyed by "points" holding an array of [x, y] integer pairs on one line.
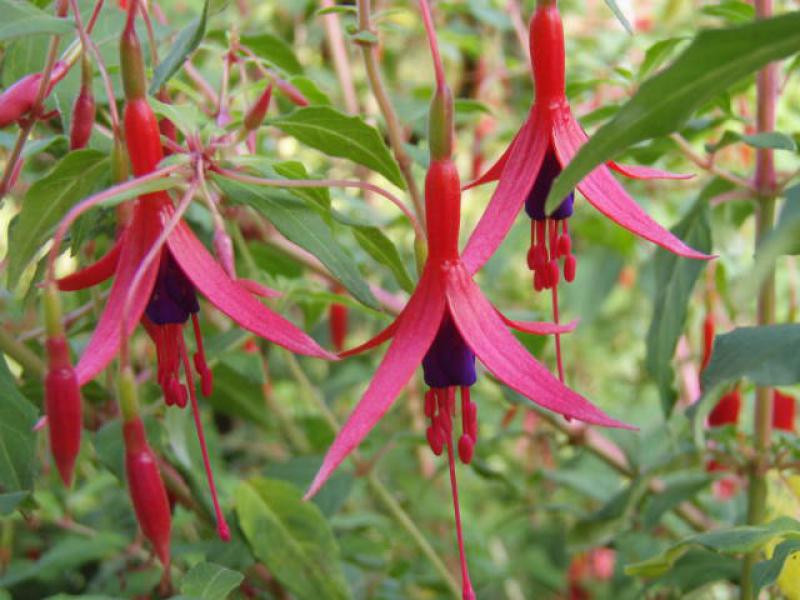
{"points": [[765, 183], [21, 354]]}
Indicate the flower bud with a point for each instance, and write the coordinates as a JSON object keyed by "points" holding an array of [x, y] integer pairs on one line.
{"points": [[783, 411], [131, 60], [148, 494], [84, 109], [63, 408], [440, 124], [255, 116]]}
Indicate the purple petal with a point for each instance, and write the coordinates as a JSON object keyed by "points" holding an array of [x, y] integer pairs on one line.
{"points": [[416, 328], [524, 160], [505, 357]]}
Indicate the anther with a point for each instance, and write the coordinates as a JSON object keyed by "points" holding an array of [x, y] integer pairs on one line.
{"points": [[570, 265]]}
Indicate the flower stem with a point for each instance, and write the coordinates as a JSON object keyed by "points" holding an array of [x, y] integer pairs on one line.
{"points": [[765, 179], [21, 353], [383, 495], [370, 53]]}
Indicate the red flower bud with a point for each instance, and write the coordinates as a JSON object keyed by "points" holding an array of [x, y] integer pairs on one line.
{"points": [[148, 494], [338, 321], [291, 92], [83, 111], [142, 136], [708, 340], [783, 409], [63, 408], [165, 126], [255, 116], [726, 412], [18, 99]]}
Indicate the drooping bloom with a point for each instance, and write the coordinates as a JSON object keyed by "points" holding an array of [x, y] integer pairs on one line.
{"points": [[445, 326], [547, 141], [784, 407], [166, 297]]}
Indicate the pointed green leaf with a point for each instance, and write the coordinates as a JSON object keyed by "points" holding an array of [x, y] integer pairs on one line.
{"points": [[715, 60], [380, 247], [274, 50], [73, 178], [771, 139], [303, 226], [343, 136], [675, 279], [187, 42], [208, 581], [292, 538], [17, 438], [24, 19]]}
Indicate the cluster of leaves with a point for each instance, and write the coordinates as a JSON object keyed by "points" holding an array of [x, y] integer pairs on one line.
{"points": [[538, 496]]}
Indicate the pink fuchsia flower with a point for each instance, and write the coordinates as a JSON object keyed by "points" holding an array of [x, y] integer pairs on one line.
{"points": [[445, 326], [546, 142]]}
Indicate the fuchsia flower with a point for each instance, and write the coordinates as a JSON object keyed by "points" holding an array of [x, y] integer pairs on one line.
{"points": [[546, 142], [445, 326]]}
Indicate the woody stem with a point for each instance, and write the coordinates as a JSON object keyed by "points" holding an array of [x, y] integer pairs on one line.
{"points": [[396, 139], [765, 180]]}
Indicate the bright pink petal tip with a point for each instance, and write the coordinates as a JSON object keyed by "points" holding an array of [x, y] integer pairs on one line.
{"points": [[494, 172], [501, 353], [258, 289], [233, 299], [539, 327], [637, 172], [416, 329], [524, 160], [384, 336], [609, 197]]}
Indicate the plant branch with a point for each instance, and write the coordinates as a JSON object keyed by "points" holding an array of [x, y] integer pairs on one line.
{"points": [[707, 163], [21, 353], [396, 139], [765, 181]]}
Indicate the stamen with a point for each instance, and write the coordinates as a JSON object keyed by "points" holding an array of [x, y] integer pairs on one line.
{"points": [[466, 584], [223, 530], [557, 336], [206, 377]]}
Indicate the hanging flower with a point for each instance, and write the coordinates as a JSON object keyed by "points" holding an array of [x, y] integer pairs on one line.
{"points": [[445, 326], [547, 141]]}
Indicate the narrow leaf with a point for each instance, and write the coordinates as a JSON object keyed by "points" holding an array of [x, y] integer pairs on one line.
{"points": [[209, 581], [17, 438], [292, 538], [274, 50], [343, 136], [623, 20], [187, 42], [303, 226], [675, 278], [771, 139], [380, 247], [715, 60], [24, 19], [76, 176]]}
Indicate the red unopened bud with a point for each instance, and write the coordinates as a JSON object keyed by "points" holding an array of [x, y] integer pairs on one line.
{"points": [[726, 412], [148, 494], [338, 323], [291, 92], [165, 126], [83, 111], [255, 116], [708, 340], [223, 248], [783, 411], [18, 99], [63, 408]]}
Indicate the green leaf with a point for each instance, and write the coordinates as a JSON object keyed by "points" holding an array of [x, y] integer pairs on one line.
{"points": [[343, 136], [715, 60], [785, 238], [292, 169], [292, 538], [732, 11], [771, 139], [767, 572], [380, 247], [187, 42], [76, 176], [24, 19], [765, 355], [612, 4], [10, 502], [655, 55], [209, 581], [675, 278], [183, 117], [274, 50], [726, 541], [303, 226], [17, 438]]}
